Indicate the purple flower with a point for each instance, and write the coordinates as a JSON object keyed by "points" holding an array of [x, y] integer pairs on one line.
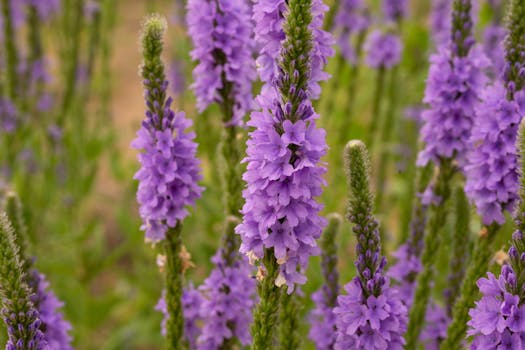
{"points": [[223, 45], [352, 18], [45, 8], [169, 170], [453, 89], [322, 321], [269, 34], [492, 176], [440, 21], [493, 46], [394, 10], [284, 174], [498, 319], [56, 328], [383, 50], [370, 322], [228, 298], [8, 116], [178, 81], [191, 307]]}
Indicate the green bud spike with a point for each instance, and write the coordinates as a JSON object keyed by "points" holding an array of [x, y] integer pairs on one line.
{"points": [[357, 166], [514, 45]]}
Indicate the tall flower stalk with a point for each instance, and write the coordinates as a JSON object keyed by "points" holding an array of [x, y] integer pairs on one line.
{"points": [[453, 89], [371, 315], [494, 151], [284, 175], [169, 172]]}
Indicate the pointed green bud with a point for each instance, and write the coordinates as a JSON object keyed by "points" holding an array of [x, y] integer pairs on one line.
{"points": [[357, 166], [14, 211]]}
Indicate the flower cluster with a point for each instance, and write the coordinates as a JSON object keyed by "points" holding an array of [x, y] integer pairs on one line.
{"points": [[452, 91], [373, 322], [283, 178], [222, 37], [351, 18], [8, 116], [269, 35], [383, 50], [498, 319], [169, 170], [228, 298], [394, 10], [492, 178], [56, 328], [322, 321]]}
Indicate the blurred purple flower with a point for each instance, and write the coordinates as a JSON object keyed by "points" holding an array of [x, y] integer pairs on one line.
{"points": [[494, 48], [383, 50], [228, 298], [395, 10], [352, 18], [8, 116], [440, 21]]}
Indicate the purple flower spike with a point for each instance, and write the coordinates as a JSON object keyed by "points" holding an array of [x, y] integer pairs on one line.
{"points": [[222, 35], [228, 298], [269, 34], [492, 177], [453, 89], [383, 50]]}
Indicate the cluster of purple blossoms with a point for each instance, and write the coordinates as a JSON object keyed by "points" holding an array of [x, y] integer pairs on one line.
{"points": [[269, 34], [394, 10], [322, 321], [492, 176], [453, 89], [373, 322], [56, 328], [498, 319], [222, 34], [283, 178], [191, 307], [169, 169], [352, 18], [228, 298], [383, 50]]}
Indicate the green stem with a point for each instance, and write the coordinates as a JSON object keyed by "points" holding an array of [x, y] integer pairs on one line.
{"points": [[289, 337], [386, 136], [266, 312], [376, 108], [175, 324], [10, 50], [432, 243], [469, 290]]}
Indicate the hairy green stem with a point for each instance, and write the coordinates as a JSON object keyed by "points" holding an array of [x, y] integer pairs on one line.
{"points": [[432, 242], [175, 322], [478, 266], [289, 337], [265, 314]]}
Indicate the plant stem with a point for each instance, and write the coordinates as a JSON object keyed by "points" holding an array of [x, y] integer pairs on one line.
{"points": [[266, 312], [376, 108], [175, 323], [432, 241], [469, 290], [289, 337]]}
